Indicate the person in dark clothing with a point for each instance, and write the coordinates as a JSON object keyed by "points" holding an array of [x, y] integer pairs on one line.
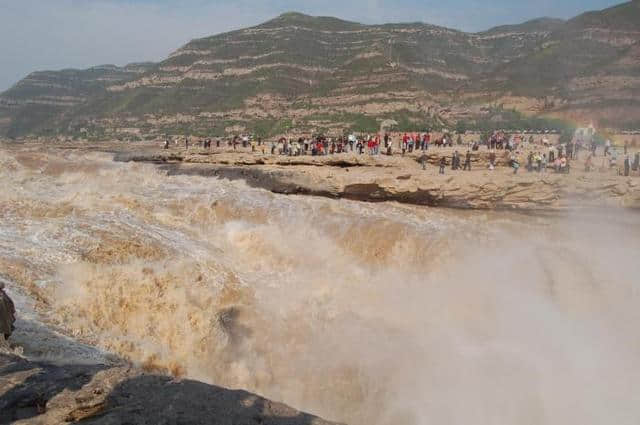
{"points": [[467, 162], [570, 150], [443, 164], [627, 165]]}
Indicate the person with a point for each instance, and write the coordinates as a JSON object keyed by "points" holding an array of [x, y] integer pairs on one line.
{"points": [[443, 164], [467, 162], [186, 143], [627, 165], [636, 162], [166, 144], [253, 145], [613, 161], [423, 161], [563, 165], [607, 147], [543, 162], [570, 147], [515, 164], [588, 163], [492, 159]]}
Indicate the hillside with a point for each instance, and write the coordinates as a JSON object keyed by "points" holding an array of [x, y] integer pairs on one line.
{"points": [[304, 73]]}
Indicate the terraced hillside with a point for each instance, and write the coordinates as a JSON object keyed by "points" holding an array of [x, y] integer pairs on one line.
{"points": [[298, 72]]}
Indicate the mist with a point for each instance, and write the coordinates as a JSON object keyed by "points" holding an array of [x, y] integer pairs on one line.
{"points": [[361, 313]]}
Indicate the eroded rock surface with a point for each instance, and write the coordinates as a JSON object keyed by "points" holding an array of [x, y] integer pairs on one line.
{"points": [[45, 393], [401, 179]]}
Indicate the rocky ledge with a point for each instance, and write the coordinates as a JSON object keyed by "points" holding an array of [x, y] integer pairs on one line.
{"points": [[402, 179], [45, 393]]}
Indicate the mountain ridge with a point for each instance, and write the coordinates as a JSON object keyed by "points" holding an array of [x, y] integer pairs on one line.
{"points": [[302, 73]]}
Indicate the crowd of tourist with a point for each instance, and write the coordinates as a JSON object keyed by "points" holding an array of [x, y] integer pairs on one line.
{"points": [[540, 156]]}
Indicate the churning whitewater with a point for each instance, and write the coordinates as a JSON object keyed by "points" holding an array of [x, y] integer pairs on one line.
{"points": [[362, 313]]}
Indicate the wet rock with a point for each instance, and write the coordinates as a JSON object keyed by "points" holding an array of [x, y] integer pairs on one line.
{"points": [[7, 313], [46, 393]]}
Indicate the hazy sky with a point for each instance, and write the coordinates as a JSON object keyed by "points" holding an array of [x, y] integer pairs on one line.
{"points": [[55, 34]]}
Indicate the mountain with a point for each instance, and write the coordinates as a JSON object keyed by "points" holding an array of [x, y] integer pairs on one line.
{"points": [[298, 72], [535, 25], [33, 104]]}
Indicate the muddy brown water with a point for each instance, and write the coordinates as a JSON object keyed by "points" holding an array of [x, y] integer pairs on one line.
{"points": [[362, 313]]}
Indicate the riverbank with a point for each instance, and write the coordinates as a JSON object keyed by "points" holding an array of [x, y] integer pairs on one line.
{"points": [[401, 179], [48, 393]]}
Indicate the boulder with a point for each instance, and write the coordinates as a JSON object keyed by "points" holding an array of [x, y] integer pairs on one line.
{"points": [[7, 313]]}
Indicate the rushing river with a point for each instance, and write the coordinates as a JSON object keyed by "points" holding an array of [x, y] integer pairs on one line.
{"points": [[361, 313]]}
